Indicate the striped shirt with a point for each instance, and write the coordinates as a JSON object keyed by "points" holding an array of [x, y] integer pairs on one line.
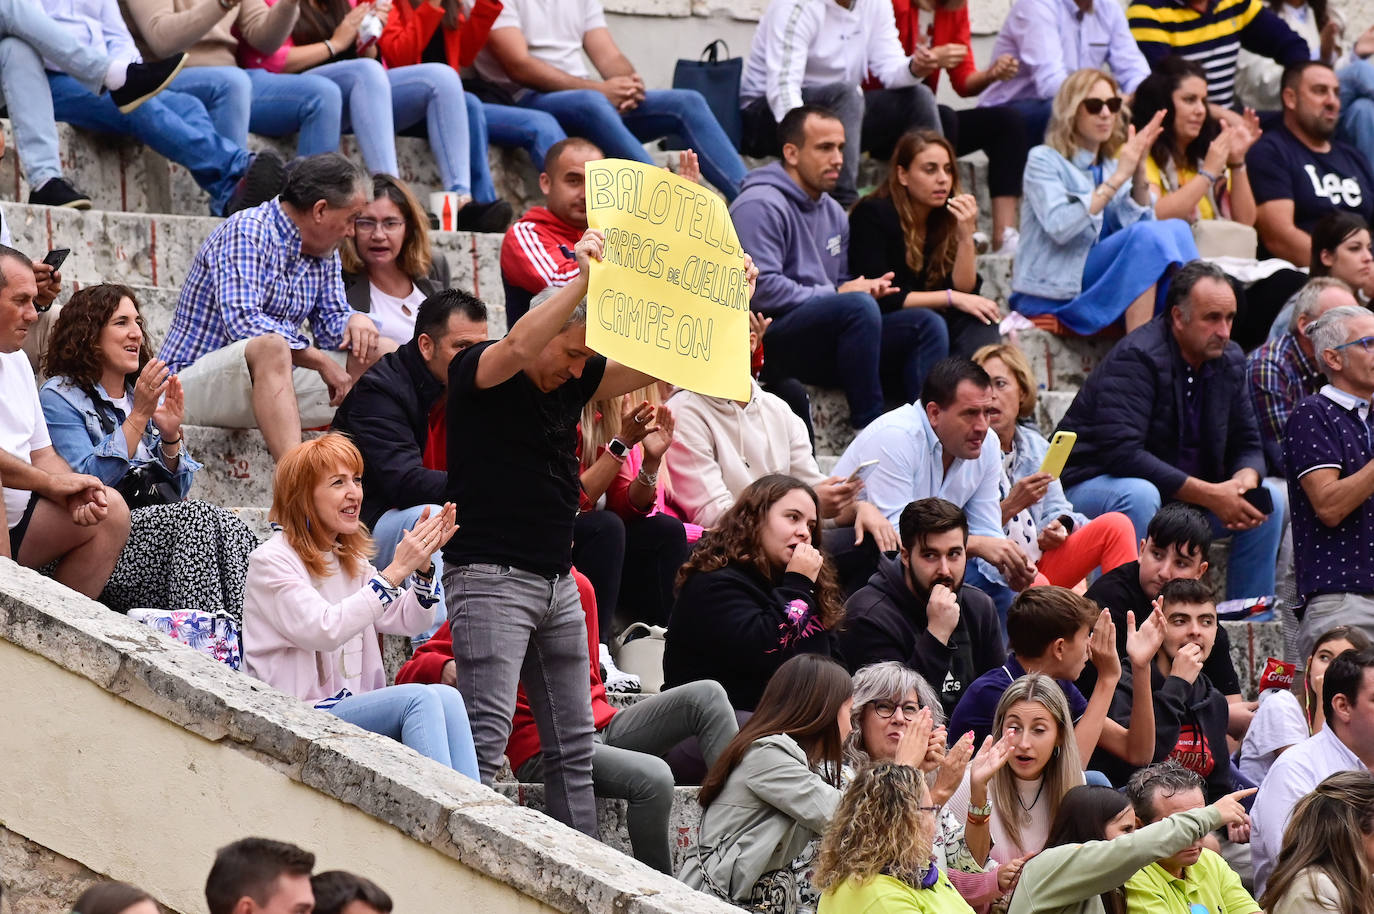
{"points": [[1213, 38], [250, 278]]}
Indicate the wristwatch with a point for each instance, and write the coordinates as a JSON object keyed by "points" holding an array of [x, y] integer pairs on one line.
{"points": [[618, 449]]}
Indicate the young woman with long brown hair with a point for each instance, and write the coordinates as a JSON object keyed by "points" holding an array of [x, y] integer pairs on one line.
{"points": [[1325, 862], [755, 592], [919, 226], [315, 606]]}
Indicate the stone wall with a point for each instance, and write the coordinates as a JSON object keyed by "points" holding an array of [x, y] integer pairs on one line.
{"points": [[134, 758]]}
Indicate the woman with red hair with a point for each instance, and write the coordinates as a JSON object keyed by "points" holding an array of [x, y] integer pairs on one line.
{"points": [[314, 606]]}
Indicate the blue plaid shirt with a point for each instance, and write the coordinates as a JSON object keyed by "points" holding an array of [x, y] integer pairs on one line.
{"points": [[249, 279]]}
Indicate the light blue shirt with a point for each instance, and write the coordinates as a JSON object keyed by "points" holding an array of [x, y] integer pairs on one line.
{"points": [[911, 466], [1057, 231], [79, 439], [97, 24], [1052, 39]]}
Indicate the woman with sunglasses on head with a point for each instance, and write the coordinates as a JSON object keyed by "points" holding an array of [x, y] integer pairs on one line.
{"points": [[388, 266], [1091, 251]]}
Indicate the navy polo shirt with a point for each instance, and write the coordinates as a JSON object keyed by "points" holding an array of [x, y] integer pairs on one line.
{"points": [[978, 706], [1330, 429]]}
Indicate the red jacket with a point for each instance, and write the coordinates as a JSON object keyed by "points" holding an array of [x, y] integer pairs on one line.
{"points": [[427, 666], [409, 30], [950, 27], [531, 253]]}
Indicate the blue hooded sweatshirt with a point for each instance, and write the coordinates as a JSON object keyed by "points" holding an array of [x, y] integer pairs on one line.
{"points": [[801, 246]]}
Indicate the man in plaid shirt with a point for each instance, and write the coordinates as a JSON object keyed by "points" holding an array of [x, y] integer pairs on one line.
{"points": [[237, 339], [1285, 370]]}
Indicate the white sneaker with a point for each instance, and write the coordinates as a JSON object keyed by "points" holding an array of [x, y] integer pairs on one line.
{"points": [[1010, 239], [615, 679]]}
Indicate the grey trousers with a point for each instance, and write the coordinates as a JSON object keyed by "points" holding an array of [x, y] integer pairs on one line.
{"points": [[512, 627], [627, 763], [1326, 611]]}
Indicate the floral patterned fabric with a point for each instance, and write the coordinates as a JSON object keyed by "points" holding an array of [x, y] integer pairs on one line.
{"points": [[215, 635]]}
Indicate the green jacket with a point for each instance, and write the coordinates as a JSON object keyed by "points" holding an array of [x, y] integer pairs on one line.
{"points": [[1068, 879]]}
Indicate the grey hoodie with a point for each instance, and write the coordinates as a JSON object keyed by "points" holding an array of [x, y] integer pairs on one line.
{"points": [[801, 246]]}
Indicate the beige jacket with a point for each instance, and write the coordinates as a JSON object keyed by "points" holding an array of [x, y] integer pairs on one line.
{"points": [[1312, 892], [720, 447], [206, 30]]}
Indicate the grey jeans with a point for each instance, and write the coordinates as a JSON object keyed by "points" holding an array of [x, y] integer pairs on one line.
{"points": [[512, 627], [627, 763], [1326, 611]]}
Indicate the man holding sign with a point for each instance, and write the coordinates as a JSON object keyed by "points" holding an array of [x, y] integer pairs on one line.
{"points": [[513, 408]]}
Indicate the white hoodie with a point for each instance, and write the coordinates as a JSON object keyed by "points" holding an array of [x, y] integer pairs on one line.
{"points": [[818, 42], [720, 447]]}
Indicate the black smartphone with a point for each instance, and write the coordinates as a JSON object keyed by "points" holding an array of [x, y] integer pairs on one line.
{"points": [[1260, 498], [56, 257]]}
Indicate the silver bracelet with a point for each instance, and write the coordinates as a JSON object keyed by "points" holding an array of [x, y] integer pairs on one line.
{"points": [[330, 47], [647, 479]]}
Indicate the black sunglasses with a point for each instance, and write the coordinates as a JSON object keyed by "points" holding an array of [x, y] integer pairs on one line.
{"points": [[1094, 105]]}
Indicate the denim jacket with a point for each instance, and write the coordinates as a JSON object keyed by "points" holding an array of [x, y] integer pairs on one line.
{"points": [[1056, 230], [79, 439]]}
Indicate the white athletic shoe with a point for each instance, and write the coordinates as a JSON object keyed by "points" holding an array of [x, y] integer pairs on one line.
{"points": [[615, 679]]}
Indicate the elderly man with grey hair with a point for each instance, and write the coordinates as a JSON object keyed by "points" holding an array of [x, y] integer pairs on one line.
{"points": [[1329, 457], [237, 339], [1286, 369]]}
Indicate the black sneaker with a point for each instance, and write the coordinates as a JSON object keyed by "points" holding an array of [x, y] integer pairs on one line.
{"points": [[484, 217], [145, 80], [57, 192], [262, 181]]}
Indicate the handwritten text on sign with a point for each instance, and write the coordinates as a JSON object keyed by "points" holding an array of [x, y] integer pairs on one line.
{"points": [[670, 297]]}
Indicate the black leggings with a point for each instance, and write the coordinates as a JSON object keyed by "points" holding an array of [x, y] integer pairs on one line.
{"points": [[1001, 133], [633, 563]]}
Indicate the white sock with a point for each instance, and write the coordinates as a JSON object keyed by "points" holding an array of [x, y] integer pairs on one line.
{"points": [[116, 74]]}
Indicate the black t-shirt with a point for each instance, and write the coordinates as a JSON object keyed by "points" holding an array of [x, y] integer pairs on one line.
{"points": [[1119, 591], [512, 466], [1282, 168]]}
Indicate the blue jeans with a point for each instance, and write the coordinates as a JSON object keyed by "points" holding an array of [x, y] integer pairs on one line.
{"points": [[1138, 499], [588, 113], [844, 340], [386, 536], [507, 125], [306, 104], [29, 34], [433, 93], [430, 719], [976, 575], [1356, 124], [174, 123], [511, 628]]}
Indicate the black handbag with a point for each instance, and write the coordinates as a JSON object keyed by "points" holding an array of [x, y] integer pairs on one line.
{"points": [[143, 486], [716, 75]]}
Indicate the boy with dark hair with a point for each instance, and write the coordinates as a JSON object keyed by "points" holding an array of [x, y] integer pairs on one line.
{"points": [[1190, 715], [1175, 546], [264, 873], [337, 892], [1054, 631], [917, 610]]}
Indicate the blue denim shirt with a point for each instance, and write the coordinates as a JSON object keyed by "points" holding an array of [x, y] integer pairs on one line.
{"points": [[1057, 232], [79, 439]]}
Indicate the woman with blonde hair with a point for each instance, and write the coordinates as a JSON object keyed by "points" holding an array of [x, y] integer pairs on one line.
{"points": [[388, 266], [1091, 252], [919, 227], [1325, 862], [315, 606], [1021, 798], [1060, 541], [624, 440], [877, 852]]}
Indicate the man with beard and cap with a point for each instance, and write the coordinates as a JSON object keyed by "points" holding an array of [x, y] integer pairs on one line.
{"points": [[917, 610], [1300, 171]]}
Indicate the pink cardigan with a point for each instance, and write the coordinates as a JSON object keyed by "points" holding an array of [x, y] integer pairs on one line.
{"points": [[314, 638]]}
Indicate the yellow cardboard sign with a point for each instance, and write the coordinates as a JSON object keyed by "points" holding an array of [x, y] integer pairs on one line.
{"points": [[669, 298]]}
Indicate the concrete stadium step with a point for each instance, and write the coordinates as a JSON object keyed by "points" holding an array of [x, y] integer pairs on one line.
{"points": [[120, 174], [612, 816], [238, 470], [1062, 363]]}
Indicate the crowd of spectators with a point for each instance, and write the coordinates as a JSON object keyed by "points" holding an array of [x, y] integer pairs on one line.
{"points": [[911, 684]]}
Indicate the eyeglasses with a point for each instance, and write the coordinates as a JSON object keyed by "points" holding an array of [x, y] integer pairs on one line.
{"points": [[885, 709], [1365, 342], [367, 226], [1094, 105]]}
